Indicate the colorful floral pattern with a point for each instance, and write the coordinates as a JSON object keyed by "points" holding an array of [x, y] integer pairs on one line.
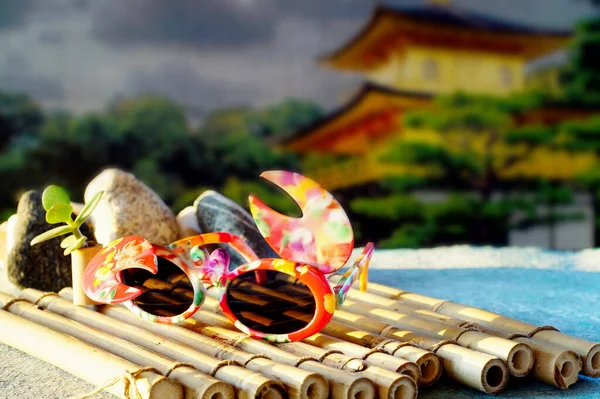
{"points": [[213, 267], [102, 281], [322, 237]]}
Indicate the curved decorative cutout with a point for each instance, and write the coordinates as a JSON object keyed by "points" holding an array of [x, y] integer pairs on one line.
{"points": [[322, 237], [100, 278]]}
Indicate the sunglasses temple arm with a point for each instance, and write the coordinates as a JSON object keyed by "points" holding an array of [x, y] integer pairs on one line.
{"points": [[358, 271]]}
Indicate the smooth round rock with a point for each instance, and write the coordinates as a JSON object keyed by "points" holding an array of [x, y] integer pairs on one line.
{"points": [[129, 207]]}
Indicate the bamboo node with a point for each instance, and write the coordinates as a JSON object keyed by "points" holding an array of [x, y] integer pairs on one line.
{"points": [[327, 353], [223, 364], [517, 335], [374, 350], [354, 365], [128, 379], [437, 346], [305, 359], [471, 326], [439, 305], [256, 356], [542, 328], [13, 301], [399, 345], [175, 366], [46, 294]]}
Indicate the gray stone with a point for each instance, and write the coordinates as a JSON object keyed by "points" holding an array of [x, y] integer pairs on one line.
{"points": [[129, 207], [215, 212], [42, 266]]}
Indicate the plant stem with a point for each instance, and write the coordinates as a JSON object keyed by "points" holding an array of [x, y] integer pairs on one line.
{"points": [[77, 234]]}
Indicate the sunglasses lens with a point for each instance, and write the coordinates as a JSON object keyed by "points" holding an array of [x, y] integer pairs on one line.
{"points": [[166, 293], [279, 305]]}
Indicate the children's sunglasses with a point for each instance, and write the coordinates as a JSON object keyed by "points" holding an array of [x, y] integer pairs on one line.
{"points": [[278, 300]]}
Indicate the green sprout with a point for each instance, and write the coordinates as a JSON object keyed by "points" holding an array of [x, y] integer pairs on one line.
{"points": [[57, 204]]}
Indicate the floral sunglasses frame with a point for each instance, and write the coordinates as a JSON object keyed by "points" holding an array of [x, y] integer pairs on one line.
{"points": [[320, 242]]}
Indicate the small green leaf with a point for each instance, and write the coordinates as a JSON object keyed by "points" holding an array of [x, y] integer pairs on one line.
{"points": [[88, 209], [75, 246], [59, 213], [50, 234], [67, 242], [54, 195]]}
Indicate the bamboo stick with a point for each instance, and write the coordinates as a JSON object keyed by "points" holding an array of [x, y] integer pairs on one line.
{"points": [[554, 365], [372, 357], [401, 366], [342, 384], [387, 303], [518, 356], [300, 384], [79, 261], [195, 384], [389, 384], [429, 364], [249, 384], [486, 344], [422, 358], [551, 359], [81, 359], [588, 350], [471, 368]]}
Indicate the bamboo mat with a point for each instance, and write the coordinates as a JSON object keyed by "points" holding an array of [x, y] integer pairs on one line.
{"points": [[568, 300]]}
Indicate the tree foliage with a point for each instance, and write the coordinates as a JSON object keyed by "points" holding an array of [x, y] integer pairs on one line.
{"points": [[147, 135], [478, 140], [580, 79], [467, 144]]}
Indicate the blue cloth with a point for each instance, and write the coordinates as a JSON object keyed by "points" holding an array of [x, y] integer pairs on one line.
{"points": [[566, 299]]}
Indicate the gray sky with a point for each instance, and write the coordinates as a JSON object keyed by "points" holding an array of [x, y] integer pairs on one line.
{"points": [[206, 54]]}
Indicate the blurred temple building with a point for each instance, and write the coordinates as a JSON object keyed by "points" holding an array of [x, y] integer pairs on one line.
{"points": [[407, 55]]}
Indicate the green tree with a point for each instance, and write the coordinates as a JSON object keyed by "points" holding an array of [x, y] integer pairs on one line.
{"points": [[235, 145], [19, 116], [147, 135], [580, 78], [285, 118], [479, 142], [147, 126]]}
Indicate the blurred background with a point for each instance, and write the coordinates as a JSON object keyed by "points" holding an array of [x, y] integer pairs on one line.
{"points": [[434, 122]]}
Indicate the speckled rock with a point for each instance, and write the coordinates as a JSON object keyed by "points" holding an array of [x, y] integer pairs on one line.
{"points": [[215, 212], [42, 266], [129, 207]]}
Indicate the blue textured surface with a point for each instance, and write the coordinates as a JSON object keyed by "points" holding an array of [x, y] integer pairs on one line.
{"points": [[566, 299]]}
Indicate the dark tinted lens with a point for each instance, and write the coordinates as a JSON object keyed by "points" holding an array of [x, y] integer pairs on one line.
{"points": [[266, 307], [166, 293]]}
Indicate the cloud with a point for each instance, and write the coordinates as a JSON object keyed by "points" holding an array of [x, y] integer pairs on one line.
{"points": [[14, 12], [41, 88], [183, 22], [16, 76], [180, 82], [51, 37], [205, 54], [320, 10]]}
